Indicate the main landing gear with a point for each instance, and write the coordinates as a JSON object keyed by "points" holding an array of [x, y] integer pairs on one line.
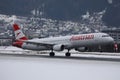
{"points": [[52, 54], [68, 54]]}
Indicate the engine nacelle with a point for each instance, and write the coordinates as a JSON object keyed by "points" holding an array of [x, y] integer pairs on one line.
{"points": [[58, 47], [82, 49]]}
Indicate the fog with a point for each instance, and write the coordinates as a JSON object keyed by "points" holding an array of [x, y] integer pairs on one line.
{"points": [[37, 68]]}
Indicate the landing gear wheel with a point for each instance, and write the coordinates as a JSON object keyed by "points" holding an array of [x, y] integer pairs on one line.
{"points": [[52, 54], [68, 54]]}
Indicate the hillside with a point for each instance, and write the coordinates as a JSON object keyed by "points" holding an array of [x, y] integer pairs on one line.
{"points": [[63, 9]]}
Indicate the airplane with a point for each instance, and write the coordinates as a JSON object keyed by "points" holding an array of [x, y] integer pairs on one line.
{"points": [[77, 42]]}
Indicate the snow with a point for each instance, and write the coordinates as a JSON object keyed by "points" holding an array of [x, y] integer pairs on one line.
{"points": [[86, 16], [36, 68], [88, 22], [39, 67], [110, 1], [11, 50], [99, 55]]}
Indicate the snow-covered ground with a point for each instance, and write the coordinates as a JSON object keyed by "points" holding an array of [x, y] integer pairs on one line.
{"points": [[99, 55], [11, 50], [40, 67], [37, 68]]}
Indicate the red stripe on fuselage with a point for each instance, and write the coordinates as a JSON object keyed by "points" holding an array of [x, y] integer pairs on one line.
{"points": [[23, 38], [18, 44]]}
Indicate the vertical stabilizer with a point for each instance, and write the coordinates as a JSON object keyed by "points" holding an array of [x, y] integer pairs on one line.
{"points": [[19, 36], [18, 33]]}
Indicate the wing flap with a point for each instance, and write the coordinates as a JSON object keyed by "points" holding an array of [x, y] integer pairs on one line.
{"points": [[39, 43], [47, 44]]}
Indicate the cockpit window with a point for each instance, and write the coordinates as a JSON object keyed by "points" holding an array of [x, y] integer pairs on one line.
{"points": [[105, 35]]}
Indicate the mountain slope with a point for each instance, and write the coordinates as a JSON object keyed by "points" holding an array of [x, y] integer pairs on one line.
{"points": [[63, 9]]}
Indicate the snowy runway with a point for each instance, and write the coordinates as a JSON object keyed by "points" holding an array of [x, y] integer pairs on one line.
{"points": [[37, 68], [104, 56], [84, 66]]}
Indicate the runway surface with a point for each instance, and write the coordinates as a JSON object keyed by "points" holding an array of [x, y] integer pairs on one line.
{"points": [[18, 64], [43, 67]]}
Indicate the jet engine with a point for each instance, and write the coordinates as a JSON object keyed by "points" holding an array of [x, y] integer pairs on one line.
{"points": [[82, 49], [58, 47]]}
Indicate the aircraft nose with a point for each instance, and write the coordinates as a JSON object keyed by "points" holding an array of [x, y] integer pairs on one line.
{"points": [[111, 40]]}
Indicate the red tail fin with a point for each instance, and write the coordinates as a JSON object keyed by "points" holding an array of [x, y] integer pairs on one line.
{"points": [[19, 36], [18, 33]]}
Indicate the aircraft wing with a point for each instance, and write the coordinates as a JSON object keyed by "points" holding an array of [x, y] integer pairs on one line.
{"points": [[47, 44], [39, 43]]}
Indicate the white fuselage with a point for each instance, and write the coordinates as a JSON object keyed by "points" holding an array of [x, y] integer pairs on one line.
{"points": [[74, 41]]}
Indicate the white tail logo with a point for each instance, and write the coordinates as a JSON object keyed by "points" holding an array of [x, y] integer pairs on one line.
{"points": [[18, 33]]}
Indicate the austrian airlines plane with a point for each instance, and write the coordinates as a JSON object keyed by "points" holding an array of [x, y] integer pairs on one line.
{"points": [[60, 43]]}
